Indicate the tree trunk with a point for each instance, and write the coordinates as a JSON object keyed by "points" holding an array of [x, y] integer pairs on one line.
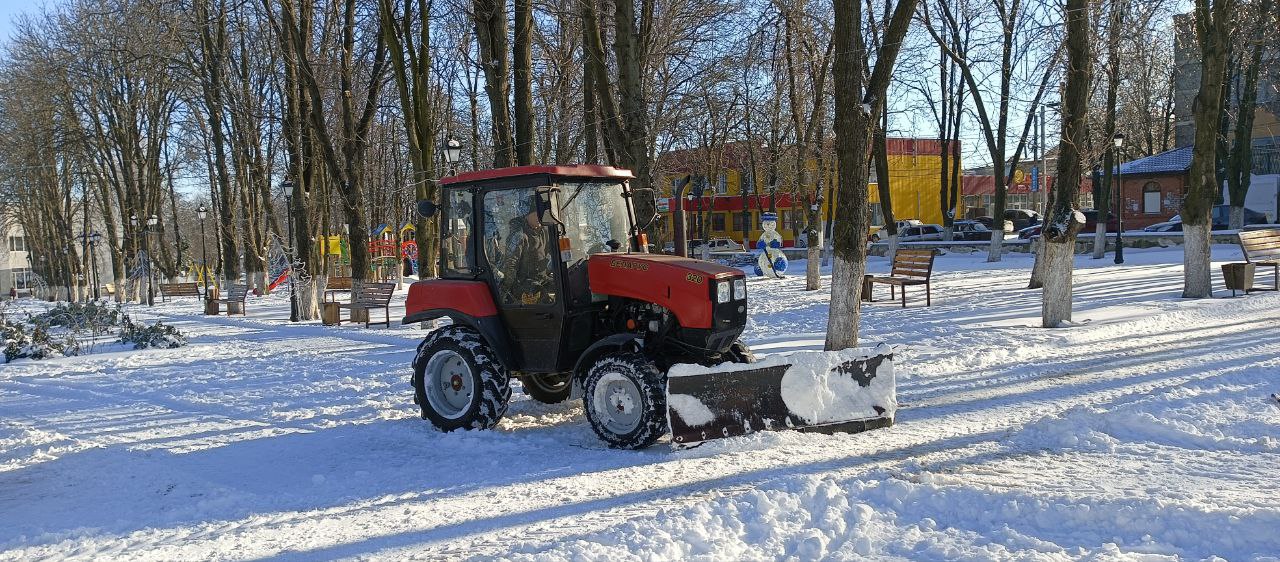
{"points": [[1103, 191], [1063, 221], [1213, 25], [855, 118], [522, 54], [490, 18]]}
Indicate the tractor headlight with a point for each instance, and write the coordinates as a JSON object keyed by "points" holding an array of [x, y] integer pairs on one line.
{"points": [[722, 292], [739, 289]]}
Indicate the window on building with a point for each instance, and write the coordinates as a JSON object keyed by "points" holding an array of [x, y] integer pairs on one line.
{"points": [[722, 184], [17, 244], [743, 221], [717, 222], [748, 185], [21, 278], [1151, 198]]}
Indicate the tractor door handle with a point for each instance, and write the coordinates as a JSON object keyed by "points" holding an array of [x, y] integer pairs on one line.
{"points": [[545, 315]]}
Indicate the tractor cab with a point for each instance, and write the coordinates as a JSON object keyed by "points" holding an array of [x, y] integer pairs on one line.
{"points": [[525, 233]]}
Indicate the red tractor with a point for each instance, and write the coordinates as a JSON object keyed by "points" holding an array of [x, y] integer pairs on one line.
{"points": [[545, 275]]}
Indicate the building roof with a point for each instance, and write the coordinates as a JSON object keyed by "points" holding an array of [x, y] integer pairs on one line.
{"points": [[1177, 160], [583, 171]]}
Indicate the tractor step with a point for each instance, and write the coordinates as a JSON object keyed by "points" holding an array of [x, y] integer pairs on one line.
{"points": [[828, 392]]}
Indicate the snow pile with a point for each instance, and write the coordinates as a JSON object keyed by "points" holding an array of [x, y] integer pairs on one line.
{"points": [[690, 409], [852, 384]]}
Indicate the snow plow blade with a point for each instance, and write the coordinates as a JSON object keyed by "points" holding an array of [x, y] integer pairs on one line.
{"points": [[829, 392]]}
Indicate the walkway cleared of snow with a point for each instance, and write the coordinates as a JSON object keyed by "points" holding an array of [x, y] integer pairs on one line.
{"points": [[1145, 432]]}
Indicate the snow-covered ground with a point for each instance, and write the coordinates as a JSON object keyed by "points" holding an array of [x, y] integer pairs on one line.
{"points": [[1145, 432]]}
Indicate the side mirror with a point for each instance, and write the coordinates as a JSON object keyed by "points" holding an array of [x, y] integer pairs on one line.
{"points": [[548, 205], [427, 208]]}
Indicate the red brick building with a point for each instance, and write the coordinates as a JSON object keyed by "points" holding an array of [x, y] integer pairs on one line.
{"points": [[1152, 188]]}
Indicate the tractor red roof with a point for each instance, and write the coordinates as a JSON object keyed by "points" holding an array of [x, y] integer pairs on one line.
{"points": [[582, 171]]}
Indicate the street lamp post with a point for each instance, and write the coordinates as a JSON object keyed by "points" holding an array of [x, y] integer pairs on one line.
{"points": [[93, 258], [202, 213], [288, 185], [152, 226], [452, 153], [1118, 142]]}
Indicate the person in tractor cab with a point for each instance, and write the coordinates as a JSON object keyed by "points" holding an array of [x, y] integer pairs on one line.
{"points": [[525, 265]]}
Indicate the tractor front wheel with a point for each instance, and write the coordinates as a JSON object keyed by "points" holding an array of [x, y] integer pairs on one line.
{"points": [[458, 383], [626, 400]]}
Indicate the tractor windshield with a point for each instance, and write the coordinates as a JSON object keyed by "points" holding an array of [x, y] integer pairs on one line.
{"points": [[595, 218]]}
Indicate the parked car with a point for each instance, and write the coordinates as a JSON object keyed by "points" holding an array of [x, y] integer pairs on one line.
{"points": [[921, 233], [1221, 216], [877, 233], [1167, 226], [1021, 218], [719, 245], [990, 223], [970, 231]]}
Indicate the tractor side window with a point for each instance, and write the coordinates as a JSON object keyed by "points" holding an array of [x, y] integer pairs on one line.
{"points": [[595, 221], [518, 248], [459, 257]]}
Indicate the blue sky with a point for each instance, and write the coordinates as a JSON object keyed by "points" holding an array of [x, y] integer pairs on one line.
{"points": [[9, 9]]}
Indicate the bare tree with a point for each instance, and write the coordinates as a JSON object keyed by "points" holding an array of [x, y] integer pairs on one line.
{"points": [[859, 101], [1240, 158], [1018, 33], [407, 32]]}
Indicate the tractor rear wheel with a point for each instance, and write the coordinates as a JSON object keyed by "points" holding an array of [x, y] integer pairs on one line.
{"points": [[626, 400], [552, 388], [458, 383]]}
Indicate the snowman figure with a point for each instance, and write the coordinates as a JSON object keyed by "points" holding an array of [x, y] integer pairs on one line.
{"points": [[772, 262]]}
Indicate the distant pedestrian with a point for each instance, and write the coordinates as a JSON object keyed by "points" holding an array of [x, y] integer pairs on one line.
{"points": [[13, 293]]}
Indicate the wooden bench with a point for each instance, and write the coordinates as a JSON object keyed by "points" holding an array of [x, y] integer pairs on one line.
{"points": [[910, 267], [370, 296], [1262, 248], [235, 299], [334, 286], [178, 290]]}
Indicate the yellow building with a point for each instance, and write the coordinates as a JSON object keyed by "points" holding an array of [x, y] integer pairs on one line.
{"points": [[915, 173]]}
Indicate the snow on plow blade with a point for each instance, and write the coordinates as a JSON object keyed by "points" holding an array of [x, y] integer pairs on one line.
{"points": [[843, 391]]}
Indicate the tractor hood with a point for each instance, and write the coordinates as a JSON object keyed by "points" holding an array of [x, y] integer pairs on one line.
{"points": [[685, 286]]}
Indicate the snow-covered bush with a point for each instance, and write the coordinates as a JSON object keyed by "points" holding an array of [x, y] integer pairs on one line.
{"points": [[72, 328], [158, 335], [92, 317], [34, 341]]}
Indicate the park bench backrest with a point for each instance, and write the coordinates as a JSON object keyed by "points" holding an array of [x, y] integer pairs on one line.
{"points": [[237, 293], [1260, 246], [180, 289], [374, 294], [917, 264], [338, 283]]}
